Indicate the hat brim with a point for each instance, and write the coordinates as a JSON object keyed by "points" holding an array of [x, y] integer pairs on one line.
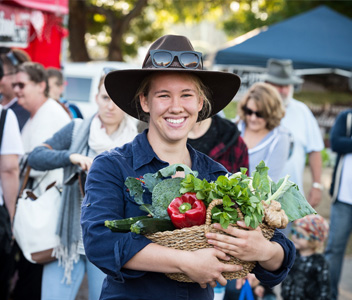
{"points": [[122, 85], [282, 81]]}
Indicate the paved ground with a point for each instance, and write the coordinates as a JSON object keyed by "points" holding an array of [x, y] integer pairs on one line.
{"points": [[323, 209]]}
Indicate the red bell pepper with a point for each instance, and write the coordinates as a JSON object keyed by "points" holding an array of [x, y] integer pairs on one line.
{"points": [[187, 211]]}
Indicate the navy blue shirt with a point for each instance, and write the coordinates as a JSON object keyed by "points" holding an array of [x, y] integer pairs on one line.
{"points": [[107, 198]]}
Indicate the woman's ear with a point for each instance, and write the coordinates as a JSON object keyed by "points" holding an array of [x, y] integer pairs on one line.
{"points": [[200, 104], [144, 103]]}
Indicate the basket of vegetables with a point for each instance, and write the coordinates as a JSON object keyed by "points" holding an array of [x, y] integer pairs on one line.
{"points": [[183, 209]]}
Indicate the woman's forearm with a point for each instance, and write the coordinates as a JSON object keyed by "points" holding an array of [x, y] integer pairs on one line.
{"points": [[275, 257]]}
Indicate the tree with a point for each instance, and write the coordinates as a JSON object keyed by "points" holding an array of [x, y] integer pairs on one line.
{"points": [[129, 24], [258, 13], [140, 20], [77, 29]]}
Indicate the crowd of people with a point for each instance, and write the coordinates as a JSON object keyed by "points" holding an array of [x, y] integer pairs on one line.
{"points": [[179, 104]]}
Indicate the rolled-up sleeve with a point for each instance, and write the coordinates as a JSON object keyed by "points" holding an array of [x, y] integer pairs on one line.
{"points": [[106, 200], [273, 278]]}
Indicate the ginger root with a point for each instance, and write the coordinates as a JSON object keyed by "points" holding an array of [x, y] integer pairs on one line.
{"points": [[274, 216]]}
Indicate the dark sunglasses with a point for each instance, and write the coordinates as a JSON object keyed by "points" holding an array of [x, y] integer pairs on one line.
{"points": [[187, 59], [249, 112], [299, 235], [15, 62], [11, 57], [21, 85]]}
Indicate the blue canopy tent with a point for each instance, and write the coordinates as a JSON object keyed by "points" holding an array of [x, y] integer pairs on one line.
{"points": [[317, 41]]}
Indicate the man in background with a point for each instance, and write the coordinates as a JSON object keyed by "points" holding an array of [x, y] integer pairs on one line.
{"points": [[11, 59], [56, 89], [341, 193], [303, 126]]}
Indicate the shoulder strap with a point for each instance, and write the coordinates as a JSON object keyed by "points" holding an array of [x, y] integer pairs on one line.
{"points": [[26, 175], [2, 123], [65, 108]]}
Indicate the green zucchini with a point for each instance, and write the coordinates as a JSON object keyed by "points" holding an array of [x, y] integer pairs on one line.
{"points": [[151, 225], [123, 225]]}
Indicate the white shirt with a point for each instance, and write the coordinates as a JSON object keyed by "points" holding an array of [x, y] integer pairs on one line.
{"points": [[50, 118], [11, 140], [300, 121], [345, 189]]}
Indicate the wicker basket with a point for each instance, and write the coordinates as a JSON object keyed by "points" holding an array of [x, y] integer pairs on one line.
{"points": [[193, 238]]}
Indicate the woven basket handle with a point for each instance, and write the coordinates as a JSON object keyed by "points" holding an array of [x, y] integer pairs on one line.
{"points": [[214, 203]]}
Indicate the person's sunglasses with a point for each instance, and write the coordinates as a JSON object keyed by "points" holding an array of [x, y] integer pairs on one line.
{"points": [[14, 61], [187, 59], [21, 85], [249, 112], [107, 70], [299, 235]]}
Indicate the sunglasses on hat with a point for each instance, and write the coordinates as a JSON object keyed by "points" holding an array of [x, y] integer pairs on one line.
{"points": [[249, 112], [187, 59]]}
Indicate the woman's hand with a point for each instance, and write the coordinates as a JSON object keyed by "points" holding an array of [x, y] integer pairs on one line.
{"points": [[203, 266], [248, 245], [84, 162]]}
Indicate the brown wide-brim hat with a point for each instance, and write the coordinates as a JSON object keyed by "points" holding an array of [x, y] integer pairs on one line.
{"points": [[281, 72], [122, 85]]}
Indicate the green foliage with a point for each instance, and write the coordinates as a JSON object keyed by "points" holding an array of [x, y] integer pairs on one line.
{"points": [[135, 189], [247, 193], [324, 97], [163, 190], [163, 193], [259, 13], [291, 199], [233, 190]]}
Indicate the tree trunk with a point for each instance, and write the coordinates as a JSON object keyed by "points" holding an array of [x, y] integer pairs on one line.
{"points": [[77, 31], [115, 50], [119, 28]]}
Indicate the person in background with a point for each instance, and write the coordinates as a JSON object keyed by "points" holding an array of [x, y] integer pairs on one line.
{"points": [[220, 139], [56, 88], [11, 60], [10, 151], [46, 117], [73, 148], [309, 276], [260, 112], [341, 193], [300, 121], [171, 93]]}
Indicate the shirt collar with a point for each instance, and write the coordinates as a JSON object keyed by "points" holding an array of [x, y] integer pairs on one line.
{"points": [[143, 154]]}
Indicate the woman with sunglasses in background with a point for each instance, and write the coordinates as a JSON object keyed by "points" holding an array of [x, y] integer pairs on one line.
{"points": [[73, 148], [46, 117], [171, 92], [260, 112]]}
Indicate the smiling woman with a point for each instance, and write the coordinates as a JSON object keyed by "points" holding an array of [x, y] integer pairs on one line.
{"points": [[170, 94]]}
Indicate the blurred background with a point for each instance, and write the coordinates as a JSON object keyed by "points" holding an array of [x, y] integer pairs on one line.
{"points": [[87, 38]]}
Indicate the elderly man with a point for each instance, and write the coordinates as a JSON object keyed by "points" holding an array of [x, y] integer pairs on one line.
{"points": [[302, 124], [46, 117]]}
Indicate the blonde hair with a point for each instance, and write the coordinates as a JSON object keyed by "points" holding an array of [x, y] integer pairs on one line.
{"points": [[268, 102], [202, 91]]}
